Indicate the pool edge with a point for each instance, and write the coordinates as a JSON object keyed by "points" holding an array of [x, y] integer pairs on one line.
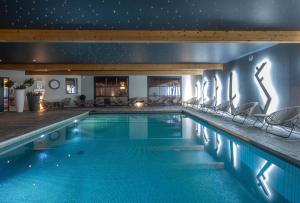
{"points": [[274, 152]]}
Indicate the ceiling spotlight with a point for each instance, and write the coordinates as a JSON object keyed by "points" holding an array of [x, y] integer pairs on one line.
{"points": [[0, 60], [34, 60]]}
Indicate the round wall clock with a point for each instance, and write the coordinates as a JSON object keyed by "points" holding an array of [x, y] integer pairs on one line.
{"points": [[54, 84]]}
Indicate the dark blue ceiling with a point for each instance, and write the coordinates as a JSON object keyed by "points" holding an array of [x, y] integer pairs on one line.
{"points": [[114, 53], [151, 14]]}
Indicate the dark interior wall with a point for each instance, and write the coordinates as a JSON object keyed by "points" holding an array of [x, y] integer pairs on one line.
{"points": [[284, 62], [1, 96]]}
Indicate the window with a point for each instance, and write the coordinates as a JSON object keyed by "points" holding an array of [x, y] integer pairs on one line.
{"points": [[71, 86], [164, 89]]}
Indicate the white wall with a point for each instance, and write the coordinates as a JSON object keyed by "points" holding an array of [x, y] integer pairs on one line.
{"points": [[137, 86], [188, 87], [16, 76], [87, 86], [60, 93]]}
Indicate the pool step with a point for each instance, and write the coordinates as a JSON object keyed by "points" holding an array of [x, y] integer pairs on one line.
{"points": [[176, 148], [208, 165]]}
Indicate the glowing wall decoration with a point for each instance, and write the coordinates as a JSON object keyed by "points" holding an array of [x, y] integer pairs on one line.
{"points": [[198, 89], [234, 94], [205, 90], [218, 90], [266, 89]]}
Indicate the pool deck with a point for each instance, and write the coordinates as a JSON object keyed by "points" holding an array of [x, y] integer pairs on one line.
{"points": [[14, 124], [285, 148]]}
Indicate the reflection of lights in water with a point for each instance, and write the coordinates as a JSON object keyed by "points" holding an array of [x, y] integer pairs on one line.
{"points": [[8, 161], [199, 129], [218, 143], [205, 136], [42, 136], [263, 177], [235, 153], [75, 121], [43, 156], [75, 130]]}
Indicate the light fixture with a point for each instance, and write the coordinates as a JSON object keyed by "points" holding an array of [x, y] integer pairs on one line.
{"points": [[235, 89], [205, 89], [139, 104], [263, 80], [218, 89], [122, 85], [0, 60]]}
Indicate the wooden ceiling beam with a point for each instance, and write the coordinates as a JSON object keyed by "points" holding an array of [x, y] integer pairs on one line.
{"points": [[148, 36], [110, 67], [117, 73]]}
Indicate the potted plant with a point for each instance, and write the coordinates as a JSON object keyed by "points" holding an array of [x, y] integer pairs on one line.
{"points": [[82, 99], [20, 94], [33, 99]]}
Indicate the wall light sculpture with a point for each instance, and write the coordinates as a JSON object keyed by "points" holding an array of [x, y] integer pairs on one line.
{"points": [[234, 94], [198, 89], [266, 88], [218, 143], [205, 90], [218, 89]]}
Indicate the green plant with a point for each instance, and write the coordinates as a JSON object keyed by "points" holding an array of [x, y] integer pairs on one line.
{"points": [[33, 94], [28, 82], [82, 97]]}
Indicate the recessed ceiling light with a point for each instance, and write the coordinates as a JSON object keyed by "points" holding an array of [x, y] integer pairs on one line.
{"points": [[0, 60], [34, 60]]}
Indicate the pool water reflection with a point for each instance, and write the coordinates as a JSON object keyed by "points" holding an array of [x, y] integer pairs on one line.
{"points": [[144, 158]]}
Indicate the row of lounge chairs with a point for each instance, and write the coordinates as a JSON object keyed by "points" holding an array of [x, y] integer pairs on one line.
{"points": [[287, 119]]}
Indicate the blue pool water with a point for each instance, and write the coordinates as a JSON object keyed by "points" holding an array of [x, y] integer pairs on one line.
{"points": [[144, 158]]}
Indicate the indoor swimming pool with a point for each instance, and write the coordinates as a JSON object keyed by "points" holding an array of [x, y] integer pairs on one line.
{"points": [[143, 158]]}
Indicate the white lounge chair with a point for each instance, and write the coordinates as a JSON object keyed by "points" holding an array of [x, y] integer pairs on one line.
{"points": [[288, 119]]}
